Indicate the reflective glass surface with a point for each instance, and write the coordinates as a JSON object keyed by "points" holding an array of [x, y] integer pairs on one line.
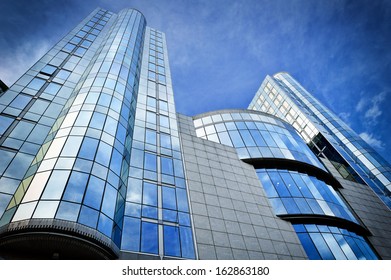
{"points": [[281, 95], [329, 243], [291, 192], [255, 136], [157, 219]]}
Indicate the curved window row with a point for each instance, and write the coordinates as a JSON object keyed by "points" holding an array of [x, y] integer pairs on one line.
{"points": [[291, 192], [255, 136], [323, 242]]}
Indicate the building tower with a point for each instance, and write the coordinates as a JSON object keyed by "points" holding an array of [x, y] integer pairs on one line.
{"points": [[96, 164], [90, 149]]}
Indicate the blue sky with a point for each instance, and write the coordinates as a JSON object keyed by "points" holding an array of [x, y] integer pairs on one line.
{"points": [[220, 51]]}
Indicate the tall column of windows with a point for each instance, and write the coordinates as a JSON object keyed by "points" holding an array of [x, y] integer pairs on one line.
{"points": [[80, 173], [157, 219], [34, 104]]}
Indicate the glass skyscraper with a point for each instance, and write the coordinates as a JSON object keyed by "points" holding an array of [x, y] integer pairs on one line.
{"points": [[95, 163]]}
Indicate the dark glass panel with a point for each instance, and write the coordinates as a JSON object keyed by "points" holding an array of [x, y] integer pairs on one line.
{"points": [[309, 246], [171, 241], [149, 238]]}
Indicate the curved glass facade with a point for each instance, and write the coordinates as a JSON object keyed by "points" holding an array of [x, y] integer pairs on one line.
{"points": [[323, 242], [281, 95], [295, 193], [255, 135], [292, 194], [80, 172], [95, 163], [109, 164]]}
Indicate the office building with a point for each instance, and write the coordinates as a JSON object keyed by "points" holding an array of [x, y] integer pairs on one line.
{"points": [[97, 164]]}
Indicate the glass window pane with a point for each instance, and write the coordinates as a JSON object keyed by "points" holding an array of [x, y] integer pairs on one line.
{"points": [[187, 242], [164, 121], [150, 194], [169, 198], [150, 161], [8, 185], [18, 166], [151, 102], [88, 217], [151, 117], [22, 130], [150, 136], [167, 166], [88, 148], [103, 154], [46, 209], [309, 246], [322, 247], [169, 215], [247, 138], [68, 211], [36, 83], [49, 69], [63, 74], [131, 234], [290, 184], [236, 139], [334, 246], [171, 241], [94, 193], [182, 200], [52, 88], [76, 187], [20, 101], [24, 211], [56, 185], [39, 107], [109, 201], [345, 247], [105, 225], [4, 201], [5, 122], [149, 238], [165, 140], [133, 209], [279, 184], [149, 212]]}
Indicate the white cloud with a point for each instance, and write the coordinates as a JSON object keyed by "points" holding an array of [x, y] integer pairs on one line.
{"points": [[371, 107], [361, 104], [16, 64], [374, 110], [375, 143]]}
